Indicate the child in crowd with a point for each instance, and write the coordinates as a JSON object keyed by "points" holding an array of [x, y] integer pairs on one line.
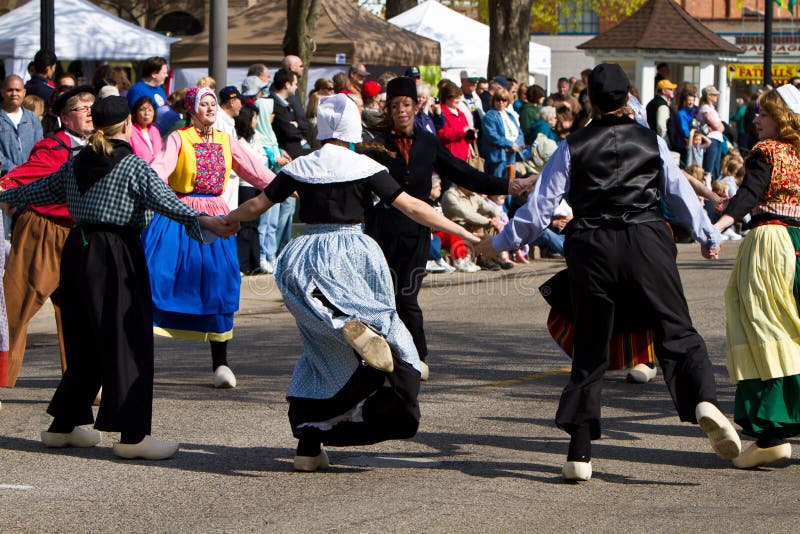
{"points": [[721, 188], [444, 240], [697, 148], [499, 201]]}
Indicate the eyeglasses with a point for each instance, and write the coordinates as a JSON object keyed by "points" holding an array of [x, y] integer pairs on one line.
{"points": [[83, 110], [328, 88]]}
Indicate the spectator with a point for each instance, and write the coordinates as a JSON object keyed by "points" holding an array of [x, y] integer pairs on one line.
{"points": [[662, 73], [152, 76], [707, 116], [697, 149], [175, 118], [260, 71], [341, 84], [413, 72], [121, 80], [253, 87], [529, 113], [565, 119], [521, 97], [660, 113], [322, 88], [471, 211], [295, 65], [20, 128], [384, 78], [67, 79], [145, 138], [372, 115], [247, 238], [44, 66], [230, 103], [501, 139], [545, 125], [471, 103], [429, 116], [207, 81], [456, 133], [687, 99], [357, 74], [34, 104]]}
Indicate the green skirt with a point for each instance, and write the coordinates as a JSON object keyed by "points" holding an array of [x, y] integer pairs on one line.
{"points": [[769, 407]]}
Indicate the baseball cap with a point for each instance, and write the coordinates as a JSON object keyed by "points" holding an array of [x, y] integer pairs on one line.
{"points": [[412, 72], [666, 84], [359, 69], [470, 74], [228, 93], [710, 90]]}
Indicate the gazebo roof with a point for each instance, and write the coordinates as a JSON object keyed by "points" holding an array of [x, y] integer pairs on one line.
{"points": [[661, 25]]}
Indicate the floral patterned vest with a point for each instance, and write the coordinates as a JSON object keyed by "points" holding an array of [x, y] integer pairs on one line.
{"points": [[202, 167], [782, 196]]}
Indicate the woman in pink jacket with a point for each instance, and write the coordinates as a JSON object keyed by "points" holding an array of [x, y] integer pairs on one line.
{"points": [[145, 138]]}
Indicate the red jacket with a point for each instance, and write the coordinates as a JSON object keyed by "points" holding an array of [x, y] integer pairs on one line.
{"points": [[47, 156], [452, 135]]}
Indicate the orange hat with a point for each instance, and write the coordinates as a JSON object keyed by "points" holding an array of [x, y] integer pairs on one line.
{"points": [[666, 84]]}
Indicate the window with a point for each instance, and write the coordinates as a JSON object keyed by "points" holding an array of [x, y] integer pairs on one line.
{"points": [[573, 18]]}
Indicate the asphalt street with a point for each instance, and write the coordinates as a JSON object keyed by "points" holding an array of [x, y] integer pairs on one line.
{"points": [[487, 457]]}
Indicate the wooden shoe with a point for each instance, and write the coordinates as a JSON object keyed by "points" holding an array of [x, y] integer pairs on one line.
{"points": [[149, 448], [755, 456], [641, 374], [309, 464], [224, 378], [370, 345], [79, 437], [720, 431], [425, 371], [576, 471]]}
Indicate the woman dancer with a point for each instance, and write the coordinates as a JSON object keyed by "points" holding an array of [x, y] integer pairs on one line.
{"points": [[762, 297], [412, 156], [336, 283], [195, 287], [107, 307]]}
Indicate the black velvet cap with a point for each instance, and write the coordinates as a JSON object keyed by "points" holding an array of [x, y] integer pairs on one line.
{"points": [[608, 87], [61, 101], [401, 86], [110, 110]]}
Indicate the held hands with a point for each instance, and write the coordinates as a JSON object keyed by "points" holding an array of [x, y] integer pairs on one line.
{"points": [[521, 186], [219, 225], [710, 253], [485, 248]]}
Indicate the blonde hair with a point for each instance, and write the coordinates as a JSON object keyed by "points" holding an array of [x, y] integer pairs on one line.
{"points": [[696, 171], [35, 104], [99, 139], [207, 81], [500, 95], [719, 187], [788, 123]]}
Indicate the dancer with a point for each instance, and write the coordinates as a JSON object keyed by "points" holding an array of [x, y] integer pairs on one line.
{"points": [[619, 242], [3, 320], [336, 283], [762, 297], [195, 287], [412, 156], [107, 305]]}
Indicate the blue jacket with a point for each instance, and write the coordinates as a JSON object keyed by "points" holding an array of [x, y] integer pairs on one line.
{"points": [[16, 143], [494, 144]]}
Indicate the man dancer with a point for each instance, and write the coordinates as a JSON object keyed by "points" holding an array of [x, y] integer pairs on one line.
{"points": [[618, 173], [33, 266]]}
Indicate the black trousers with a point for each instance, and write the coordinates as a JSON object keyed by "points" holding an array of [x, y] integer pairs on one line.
{"points": [[637, 261], [406, 254], [107, 314], [247, 240]]}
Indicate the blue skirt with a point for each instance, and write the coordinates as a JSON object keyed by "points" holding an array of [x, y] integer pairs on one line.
{"points": [[195, 286], [350, 271]]}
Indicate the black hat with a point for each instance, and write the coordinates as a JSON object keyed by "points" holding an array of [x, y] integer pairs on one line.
{"points": [[412, 72], [110, 110], [61, 101], [229, 93], [401, 86], [608, 87]]}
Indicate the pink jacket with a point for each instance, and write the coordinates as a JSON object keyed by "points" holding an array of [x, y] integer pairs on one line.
{"points": [[140, 146]]}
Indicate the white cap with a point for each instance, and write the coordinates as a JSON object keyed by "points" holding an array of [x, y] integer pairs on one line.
{"points": [[338, 118], [469, 74]]}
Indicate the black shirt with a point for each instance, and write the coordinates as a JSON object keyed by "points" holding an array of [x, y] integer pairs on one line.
{"points": [[334, 203]]}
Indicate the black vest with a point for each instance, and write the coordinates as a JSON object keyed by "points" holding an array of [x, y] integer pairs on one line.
{"points": [[673, 138], [615, 176]]}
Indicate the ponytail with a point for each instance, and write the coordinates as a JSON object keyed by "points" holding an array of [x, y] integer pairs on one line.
{"points": [[99, 139]]}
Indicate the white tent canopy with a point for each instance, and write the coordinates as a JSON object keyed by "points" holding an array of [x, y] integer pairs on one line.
{"points": [[464, 41], [83, 31]]}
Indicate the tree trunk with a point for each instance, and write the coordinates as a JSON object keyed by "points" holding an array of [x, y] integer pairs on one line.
{"points": [[395, 7], [509, 35], [301, 24]]}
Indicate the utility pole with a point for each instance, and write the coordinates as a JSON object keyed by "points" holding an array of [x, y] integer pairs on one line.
{"points": [[47, 27], [768, 42], [218, 42]]}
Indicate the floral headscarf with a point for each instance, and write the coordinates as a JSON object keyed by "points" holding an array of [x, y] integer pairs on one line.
{"points": [[193, 97]]}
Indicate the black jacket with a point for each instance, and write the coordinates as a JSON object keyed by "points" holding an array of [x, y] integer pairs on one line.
{"points": [[427, 155], [290, 136]]}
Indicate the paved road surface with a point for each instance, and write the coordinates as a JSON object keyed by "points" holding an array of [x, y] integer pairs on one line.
{"points": [[487, 457]]}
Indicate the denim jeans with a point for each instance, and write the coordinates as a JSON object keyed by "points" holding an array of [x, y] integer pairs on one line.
{"points": [[712, 159], [551, 240], [275, 228]]}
